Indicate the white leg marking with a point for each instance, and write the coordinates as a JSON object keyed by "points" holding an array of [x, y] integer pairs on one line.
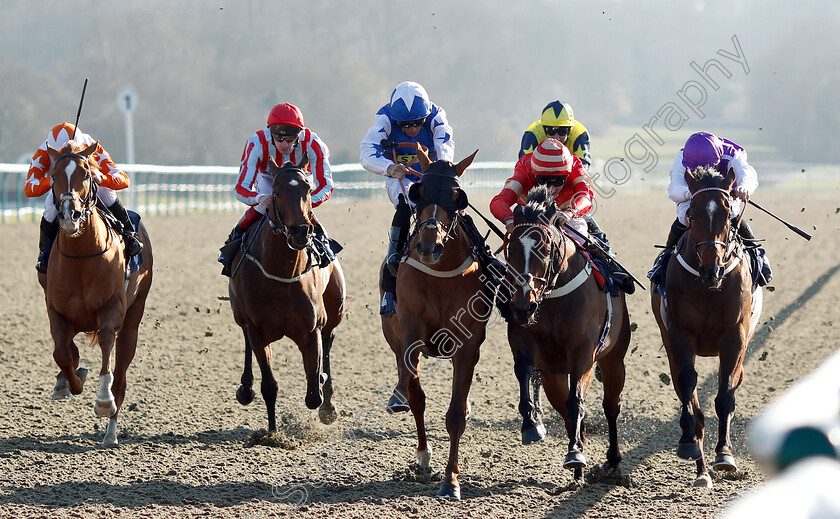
{"points": [[424, 458], [110, 439], [105, 405]]}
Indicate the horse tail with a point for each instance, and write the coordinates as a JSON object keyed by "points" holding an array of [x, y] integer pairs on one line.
{"points": [[93, 337]]}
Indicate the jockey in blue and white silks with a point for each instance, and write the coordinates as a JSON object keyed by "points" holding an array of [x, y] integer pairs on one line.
{"points": [[390, 149]]}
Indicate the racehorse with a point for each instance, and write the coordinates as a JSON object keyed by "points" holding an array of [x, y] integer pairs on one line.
{"points": [[708, 310], [87, 288], [276, 291], [443, 305], [564, 322]]}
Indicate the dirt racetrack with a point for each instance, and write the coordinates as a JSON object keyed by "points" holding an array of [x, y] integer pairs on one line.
{"points": [[184, 448]]}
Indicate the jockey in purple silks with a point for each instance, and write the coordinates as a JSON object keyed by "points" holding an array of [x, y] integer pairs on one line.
{"points": [[704, 149]]}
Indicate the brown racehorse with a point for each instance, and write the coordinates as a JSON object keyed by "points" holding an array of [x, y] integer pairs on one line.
{"points": [[708, 310], [86, 287], [563, 321], [276, 291], [443, 307]]}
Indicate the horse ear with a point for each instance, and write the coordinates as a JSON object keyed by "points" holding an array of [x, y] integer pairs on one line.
{"points": [[691, 177], [303, 161], [415, 192], [272, 166], [465, 163], [90, 149], [53, 153], [730, 179], [460, 199], [423, 157]]}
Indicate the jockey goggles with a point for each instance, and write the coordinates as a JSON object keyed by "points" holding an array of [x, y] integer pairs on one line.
{"points": [[557, 130], [411, 124], [285, 138], [551, 180]]}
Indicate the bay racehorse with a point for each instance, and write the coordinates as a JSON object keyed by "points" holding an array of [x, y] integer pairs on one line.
{"points": [[708, 309], [87, 288], [277, 290], [562, 320], [443, 304]]}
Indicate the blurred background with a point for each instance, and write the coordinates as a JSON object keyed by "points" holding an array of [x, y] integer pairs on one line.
{"points": [[207, 72]]}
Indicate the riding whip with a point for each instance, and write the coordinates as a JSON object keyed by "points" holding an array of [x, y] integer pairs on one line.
{"points": [[590, 243], [790, 226], [79, 113]]}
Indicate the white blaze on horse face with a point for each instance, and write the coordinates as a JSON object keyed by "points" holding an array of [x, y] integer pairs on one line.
{"points": [[293, 183], [528, 245], [711, 207], [71, 167]]}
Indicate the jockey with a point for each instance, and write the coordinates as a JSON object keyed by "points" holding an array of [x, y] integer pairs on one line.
{"points": [[389, 149], [285, 139], [558, 122], [551, 163], [109, 180], [709, 150]]}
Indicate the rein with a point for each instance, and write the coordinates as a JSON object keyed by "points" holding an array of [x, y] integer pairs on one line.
{"points": [[449, 234], [89, 202], [548, 282], [730, 259]]}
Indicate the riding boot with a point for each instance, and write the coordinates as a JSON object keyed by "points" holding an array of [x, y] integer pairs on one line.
{"points": [[235, 235], [327, 247], [48, 232], [132, 244], [388, 306], [398, 235], [758, 254], [603, 251], [657, 272]]}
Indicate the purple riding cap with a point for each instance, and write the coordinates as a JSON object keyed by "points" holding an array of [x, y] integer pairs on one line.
{"points": [[707, 149]]}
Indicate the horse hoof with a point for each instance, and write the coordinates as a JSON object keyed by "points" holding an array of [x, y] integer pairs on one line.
{"points": [[703, 481], [110, 439], [82, 373], [245, 396], [314, 400], [689, 451], [105, 409], [533, 434], [397, 405], [449, 491], [61, 391], [327, 414], [725, 463], [424, 458], [574, 460]]}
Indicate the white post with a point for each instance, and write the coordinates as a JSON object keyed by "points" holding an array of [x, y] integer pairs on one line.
{"points": [[127, 103]]}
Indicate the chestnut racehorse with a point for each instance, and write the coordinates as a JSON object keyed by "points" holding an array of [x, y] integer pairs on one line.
{"points": [[565, 323], [708, 310], [276, 291], [86, 287], [442, 307]]}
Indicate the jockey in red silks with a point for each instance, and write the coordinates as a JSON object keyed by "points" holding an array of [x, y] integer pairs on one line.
{"points": [[108, 177], [708, 150], [551, 163], [285, 139]]}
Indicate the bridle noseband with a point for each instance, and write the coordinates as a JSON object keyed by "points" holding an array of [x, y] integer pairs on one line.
{"points": [[524, 280], [438, 224], [280, 227], [729, 245]]}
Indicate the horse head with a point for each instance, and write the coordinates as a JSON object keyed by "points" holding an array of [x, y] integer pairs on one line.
{"points": [[535, 252], [74, 189], [290, 212], [709, 222], [438, 197]]}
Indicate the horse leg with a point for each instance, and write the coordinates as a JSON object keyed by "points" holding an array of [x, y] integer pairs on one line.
{"points": [[268, 386], [61, 391], [126, 348], [245, 393], [410, 379], [456, 418], [66, 356], [533, 430], [556, 387], [613, 377], [312, 351], [105, 405], [730, 377], [327, 412], [684, 376], [576, 411]]}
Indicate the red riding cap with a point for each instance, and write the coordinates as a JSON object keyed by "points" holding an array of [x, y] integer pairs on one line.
{"points": [[286, 114]]}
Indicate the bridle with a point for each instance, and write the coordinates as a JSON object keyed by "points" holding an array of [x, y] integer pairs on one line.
{"points": [[550, 280], [279, 226], [729, 245], [89, 201], [438, 224]]}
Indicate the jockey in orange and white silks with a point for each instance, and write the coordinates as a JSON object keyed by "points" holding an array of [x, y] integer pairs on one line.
{"points": [[709, 150], [109, 178], [107, 175]]}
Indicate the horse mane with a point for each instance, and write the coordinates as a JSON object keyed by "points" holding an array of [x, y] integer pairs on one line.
{"points": [[707, 177], [538, 205]]}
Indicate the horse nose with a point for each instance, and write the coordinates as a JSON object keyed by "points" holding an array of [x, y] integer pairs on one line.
{"points": [[437, 250]]}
